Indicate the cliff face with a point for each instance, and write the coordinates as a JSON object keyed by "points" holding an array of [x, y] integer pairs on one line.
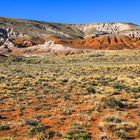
{"points": [[22, 36]]}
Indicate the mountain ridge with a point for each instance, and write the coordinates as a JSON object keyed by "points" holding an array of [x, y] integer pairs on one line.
{"points": [[26, 34]]}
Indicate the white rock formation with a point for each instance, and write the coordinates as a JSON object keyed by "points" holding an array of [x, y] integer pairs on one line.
{"points": [[49, 47], [110, 28], [58, 32]]}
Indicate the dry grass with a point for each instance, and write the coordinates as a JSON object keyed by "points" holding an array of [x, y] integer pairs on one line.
{"points": [[80, 96]]}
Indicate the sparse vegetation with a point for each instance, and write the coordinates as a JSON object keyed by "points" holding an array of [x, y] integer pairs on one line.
{"points": [[35, 130], [121, 134], [113, 119], [112, 102], [77, 134], [97, 94], [4, 127]]}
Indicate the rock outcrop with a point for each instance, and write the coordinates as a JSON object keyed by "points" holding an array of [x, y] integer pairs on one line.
{"points": [[48, 48]]}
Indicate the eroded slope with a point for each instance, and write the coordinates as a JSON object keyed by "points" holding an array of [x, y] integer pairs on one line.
{"points": [[27, 36]]}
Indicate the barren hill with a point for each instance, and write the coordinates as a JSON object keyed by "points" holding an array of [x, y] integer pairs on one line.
{"points": [[20, 36]]}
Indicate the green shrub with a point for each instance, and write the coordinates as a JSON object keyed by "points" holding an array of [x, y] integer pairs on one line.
{"points": [[118, 86], [113, 119], [4, 127], [121, 134], [135, 89], [112, 102], [91, 90], [33, 130], [78, 134]]}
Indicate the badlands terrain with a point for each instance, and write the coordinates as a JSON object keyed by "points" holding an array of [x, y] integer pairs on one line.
{"points": [[69, 81], [27, 37]]}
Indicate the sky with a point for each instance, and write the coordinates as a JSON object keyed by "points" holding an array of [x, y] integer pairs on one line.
{"points": [[73, 11]]}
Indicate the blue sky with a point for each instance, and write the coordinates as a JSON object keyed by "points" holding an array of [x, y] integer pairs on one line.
{"points": [[73, 11]]}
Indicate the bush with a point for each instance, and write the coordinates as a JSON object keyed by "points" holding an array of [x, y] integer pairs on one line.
{"points": [[2, 117], [113, 119], [32, 122], [112, 102], [4, 127], [118, 86], [121, 134], [36, 129], [91, 90], [78, 134], [135, 89]]}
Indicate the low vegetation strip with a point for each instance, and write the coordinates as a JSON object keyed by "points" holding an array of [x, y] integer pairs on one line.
{"points": [[74, 97]]}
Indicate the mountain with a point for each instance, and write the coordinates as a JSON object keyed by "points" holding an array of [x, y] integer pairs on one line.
{"points": [[19, 36]]}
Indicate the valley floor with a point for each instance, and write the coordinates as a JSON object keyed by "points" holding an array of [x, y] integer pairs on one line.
{"points": [[91, 96]]}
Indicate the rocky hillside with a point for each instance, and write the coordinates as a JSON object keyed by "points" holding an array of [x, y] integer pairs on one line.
{"points": [[18, 36]]}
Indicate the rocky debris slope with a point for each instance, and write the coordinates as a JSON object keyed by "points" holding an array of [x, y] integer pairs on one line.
{"points": [[28, 36]]}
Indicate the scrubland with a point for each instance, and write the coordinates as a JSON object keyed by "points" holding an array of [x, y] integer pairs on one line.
{"points": [[91, 96]]}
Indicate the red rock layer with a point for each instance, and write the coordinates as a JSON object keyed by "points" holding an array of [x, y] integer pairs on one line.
{"points": [[104, 42]]}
